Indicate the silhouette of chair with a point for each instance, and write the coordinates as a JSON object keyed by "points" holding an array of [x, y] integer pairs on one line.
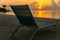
{"points": [[26, 18]]}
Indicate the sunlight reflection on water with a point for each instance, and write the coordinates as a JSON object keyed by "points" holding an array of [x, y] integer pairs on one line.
{"points": [[41, 13], [47, 14]]}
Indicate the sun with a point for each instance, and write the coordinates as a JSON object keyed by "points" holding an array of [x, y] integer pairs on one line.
{"points": [[44, 3], [39, 7]]}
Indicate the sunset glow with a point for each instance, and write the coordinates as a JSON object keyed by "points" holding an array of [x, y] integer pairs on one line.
{"points": [[43, 14], [44, 3], [40, 4]]}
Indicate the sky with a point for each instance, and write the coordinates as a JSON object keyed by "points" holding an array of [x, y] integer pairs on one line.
{"points": [[18, 2], [41, 3], [11, 2]]}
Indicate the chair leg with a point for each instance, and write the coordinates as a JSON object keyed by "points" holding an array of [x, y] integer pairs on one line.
{"points": [[32, 34], [14, 32]]}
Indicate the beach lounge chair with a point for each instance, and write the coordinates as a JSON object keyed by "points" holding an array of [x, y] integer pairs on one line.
{"points": [[26, 18]]}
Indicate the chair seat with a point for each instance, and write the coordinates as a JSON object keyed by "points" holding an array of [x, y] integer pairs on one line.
{"points": [[45, 24]]}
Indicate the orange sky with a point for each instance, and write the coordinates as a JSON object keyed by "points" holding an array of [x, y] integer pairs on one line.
{"points": [[43, 3], [22, 1], [19, 2], [15, 2]]}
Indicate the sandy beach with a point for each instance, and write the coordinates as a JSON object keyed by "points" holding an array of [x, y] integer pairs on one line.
{"points": [[8, 24]]}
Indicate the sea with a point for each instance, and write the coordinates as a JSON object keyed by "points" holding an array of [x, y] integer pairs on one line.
{"points": [[54, 14]]}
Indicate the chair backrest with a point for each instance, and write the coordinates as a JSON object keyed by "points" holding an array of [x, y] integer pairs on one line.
{"points": [[24, 15]]}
